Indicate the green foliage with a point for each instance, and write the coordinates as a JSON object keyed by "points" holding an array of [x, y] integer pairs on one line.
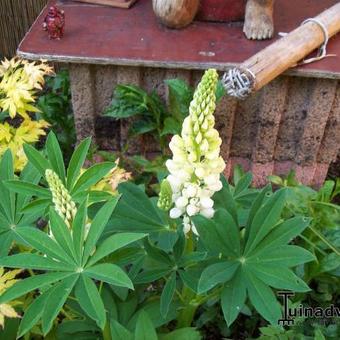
{"points": [[12, 218], [250, 265], [77, 184], [71, 261], [56, 108]]}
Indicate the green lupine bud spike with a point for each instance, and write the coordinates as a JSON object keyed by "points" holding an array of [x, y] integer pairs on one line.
{"points": [[61, 198], [165, 196]]}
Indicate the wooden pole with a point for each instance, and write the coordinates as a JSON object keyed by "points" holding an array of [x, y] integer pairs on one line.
{"points": [[286, 52]]}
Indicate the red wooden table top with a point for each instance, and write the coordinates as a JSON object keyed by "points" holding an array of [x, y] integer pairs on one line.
{"points": [[103, 35]]}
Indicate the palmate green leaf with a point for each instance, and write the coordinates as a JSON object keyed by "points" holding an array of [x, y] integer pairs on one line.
{"points": [[55, 156], [90, 301], [283, 233], [7, 201], [233, 297], [279, 277], [26, 188], [34, 261], [42, 242], [118, 332], [152, 275], [243, 184], [109, 273], [262, 298], [187, 333], [113, 243], [97, 226], [31, 175], [258, 202], [78, 227], [285, 255], [210, 236], [167, 294], [37, 159], [135, 212], [62, 233], [224, 199], [144, 328], [6, 239], [91, 176], [33, 313], [157, 254], [215, 274], [228, 231], [56, 301], [25, 286], [76, 162], [37, 206], [265, 219]]}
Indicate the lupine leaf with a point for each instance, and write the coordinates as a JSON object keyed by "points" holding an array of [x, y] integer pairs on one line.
{"points": [[42, 242], [8, 197], [90, 301], [37, 159], [78, 227], [135, 212], [233, 297], [91, 176], [228, 231], [118, 332], [288, 256], [76, 162], [215, 274], [144, 328], [61, 233], [97, 226], [27, 188], [27, 285], [109, 273], [167, 294], [58, 295], [33, 313], [55, 156], [283, 233], [265, 219], [34, 261], [113, 243], [209, 236], [263, 299], [279, 277]]}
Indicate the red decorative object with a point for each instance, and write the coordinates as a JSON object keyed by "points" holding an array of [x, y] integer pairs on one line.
{"points": [[54, 23]]}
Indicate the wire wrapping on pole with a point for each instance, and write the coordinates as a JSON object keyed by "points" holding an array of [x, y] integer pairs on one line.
{"points": [[238, 82]]}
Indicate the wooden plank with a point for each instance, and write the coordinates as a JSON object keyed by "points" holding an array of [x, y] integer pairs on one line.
{"points": [[112, 3], [107, 35]]}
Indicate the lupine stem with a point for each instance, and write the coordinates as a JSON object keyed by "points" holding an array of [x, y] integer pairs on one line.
{"points": [[187, 314], [107, 332]]}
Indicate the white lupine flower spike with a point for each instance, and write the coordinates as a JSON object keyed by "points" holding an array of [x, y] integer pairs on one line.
{"points": [[196, 164]]}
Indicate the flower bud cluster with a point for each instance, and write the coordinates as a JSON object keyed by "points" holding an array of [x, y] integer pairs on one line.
{"points": [[196, 164], [61, 198]]}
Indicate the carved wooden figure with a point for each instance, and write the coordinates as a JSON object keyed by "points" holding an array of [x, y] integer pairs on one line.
{"points": [[54, 23], [180, 13]]}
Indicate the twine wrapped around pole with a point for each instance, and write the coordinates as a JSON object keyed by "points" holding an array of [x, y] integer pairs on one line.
{"points": [[283, 54]]}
